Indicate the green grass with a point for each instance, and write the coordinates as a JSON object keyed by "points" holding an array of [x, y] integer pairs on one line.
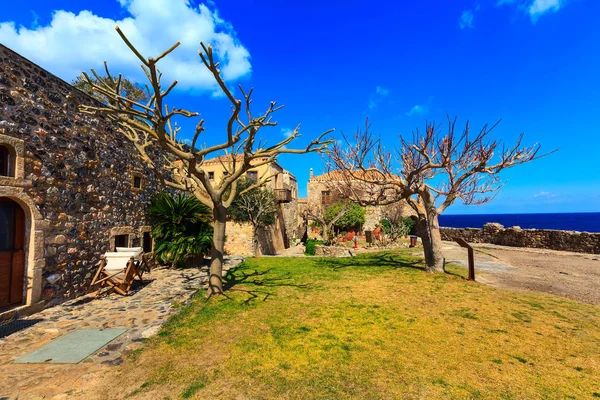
{"points": [[374, 326]]}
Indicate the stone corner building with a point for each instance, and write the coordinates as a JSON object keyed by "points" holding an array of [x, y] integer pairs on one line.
{"points": [[320, 194], [281, 234], [70, 189]]}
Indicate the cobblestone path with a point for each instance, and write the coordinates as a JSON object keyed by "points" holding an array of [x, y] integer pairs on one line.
{"points": [[141, 313]]}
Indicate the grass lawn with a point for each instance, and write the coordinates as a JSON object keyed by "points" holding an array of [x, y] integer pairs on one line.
{"points": [[374, 326]]}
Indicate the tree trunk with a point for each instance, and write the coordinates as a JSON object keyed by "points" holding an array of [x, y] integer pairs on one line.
{"points": [[326, 234], [255, 242], [215, 283], [429, 231]]}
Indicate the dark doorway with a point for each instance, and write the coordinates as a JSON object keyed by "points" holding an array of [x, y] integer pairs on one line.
{"points": [[12, 253], [147, 242]]}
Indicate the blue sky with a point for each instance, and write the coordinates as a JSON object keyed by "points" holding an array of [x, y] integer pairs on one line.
{"points": [[532, 63]]}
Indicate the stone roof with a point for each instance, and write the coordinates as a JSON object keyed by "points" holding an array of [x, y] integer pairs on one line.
{"points": [[239, 158], [338, 175]]}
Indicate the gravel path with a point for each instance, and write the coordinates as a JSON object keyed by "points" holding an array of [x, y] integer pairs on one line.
{"points": [[572, 275]]}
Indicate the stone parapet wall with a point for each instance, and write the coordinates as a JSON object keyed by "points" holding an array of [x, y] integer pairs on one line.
{"points": [[493, 233]]}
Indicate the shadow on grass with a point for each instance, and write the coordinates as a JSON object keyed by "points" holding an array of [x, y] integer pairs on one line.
{"points": [[258, 285], [387, 260], [373, 260], [457, 270]]}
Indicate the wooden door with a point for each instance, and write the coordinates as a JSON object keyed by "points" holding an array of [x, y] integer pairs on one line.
{"points": [[12, 254]]}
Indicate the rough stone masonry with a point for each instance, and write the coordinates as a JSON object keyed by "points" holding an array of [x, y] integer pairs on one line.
{"points": [[77, 185]]}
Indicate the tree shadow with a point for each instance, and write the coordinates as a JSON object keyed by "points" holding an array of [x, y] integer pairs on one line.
{"points": [[377, 260], [457, 270], [257, 284]]}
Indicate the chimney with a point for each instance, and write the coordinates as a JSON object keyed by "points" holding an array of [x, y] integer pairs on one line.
{"points": [[311, 174]]}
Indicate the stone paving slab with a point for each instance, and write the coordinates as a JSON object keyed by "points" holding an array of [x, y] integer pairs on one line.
{"points": [[141, 313]]}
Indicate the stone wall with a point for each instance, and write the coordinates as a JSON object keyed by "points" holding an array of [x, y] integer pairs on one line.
{"points": [[77, 182], [332, 251], [239, 239], [494, 233], [290, 220]]}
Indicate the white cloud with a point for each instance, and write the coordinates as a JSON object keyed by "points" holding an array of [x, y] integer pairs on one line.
{"points": [[546, 195], [382, 91], [466, 19], [377, 97], [535, 8], [286, 132], [418, 110], [540, 7], [72, 42]]}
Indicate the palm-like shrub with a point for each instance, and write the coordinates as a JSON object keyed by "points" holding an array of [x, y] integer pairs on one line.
{"points": [[180, 226]]}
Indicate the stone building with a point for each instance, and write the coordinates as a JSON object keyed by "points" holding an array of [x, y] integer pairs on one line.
{"points": [[320, 194], [71, 188], [284, 185]]}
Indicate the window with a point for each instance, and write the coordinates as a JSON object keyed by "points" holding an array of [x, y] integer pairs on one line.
{"points": [[225, 173], [121, 241], [211, 175], [147, 242], [136, 242], [325, 197], [252, 175], [5, 161], [137, 182]]}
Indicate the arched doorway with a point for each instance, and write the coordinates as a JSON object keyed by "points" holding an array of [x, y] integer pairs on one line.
{"points": [[12, 253]]}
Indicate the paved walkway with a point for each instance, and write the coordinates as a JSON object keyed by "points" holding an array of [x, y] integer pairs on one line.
{"points": [[142, 313], [572, 275]]}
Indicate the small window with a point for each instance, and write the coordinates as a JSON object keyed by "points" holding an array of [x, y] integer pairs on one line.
{"points": [[211, 175], [5, 161], [225, 173], [252, 175], [121, 241], [325, 196], [147, 242], [135, 242], [137, 182]]}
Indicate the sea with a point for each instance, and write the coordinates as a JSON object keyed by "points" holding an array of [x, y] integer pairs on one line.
{"points": [[583, 222]]}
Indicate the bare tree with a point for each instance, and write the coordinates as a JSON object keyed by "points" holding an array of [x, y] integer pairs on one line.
{"points": [[257, 206], [430, 170], [395, 222], [316, 213], [150, 126]]}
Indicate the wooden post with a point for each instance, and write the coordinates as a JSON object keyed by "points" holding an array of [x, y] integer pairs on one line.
{"points": [[471, 257]]}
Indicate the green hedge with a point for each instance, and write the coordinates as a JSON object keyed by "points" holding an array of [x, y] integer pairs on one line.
{"points": [[311, 246]]}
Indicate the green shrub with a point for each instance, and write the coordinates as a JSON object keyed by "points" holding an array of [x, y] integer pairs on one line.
{"points": [[354, 217], [181, 227], [311, 247]]}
